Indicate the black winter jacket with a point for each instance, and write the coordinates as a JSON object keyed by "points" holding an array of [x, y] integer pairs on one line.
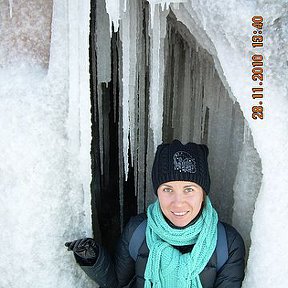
{"points": [[123, 271]]}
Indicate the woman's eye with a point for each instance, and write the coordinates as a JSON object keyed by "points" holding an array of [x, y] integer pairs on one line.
{"points": [[167, 190], [189, 190]]}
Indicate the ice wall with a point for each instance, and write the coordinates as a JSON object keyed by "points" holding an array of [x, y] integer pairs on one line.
{"points": [[45, 159]]}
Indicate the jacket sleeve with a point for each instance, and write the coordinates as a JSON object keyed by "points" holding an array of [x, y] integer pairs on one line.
{"points": [[231, 274], [118, 271], [102, 272]]}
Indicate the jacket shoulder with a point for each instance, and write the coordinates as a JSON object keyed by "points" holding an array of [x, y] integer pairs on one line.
{"points": [[234, 240], [133, 223], [231, 274], [236, 247]]}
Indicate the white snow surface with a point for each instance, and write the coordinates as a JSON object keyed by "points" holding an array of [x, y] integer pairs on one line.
{"points": [[45, 161]]}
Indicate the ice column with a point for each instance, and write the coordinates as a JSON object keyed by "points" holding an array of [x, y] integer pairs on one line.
{"points": [[157, 34], [128, 36], [45, 144]]}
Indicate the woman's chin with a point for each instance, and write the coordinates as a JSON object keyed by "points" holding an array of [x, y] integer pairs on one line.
{"points": [[181, 222]]}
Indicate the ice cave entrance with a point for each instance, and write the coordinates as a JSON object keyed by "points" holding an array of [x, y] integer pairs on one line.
{"points": [[197, 106]]}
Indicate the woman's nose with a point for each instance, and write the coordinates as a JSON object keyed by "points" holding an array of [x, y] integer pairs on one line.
{"points": [[178, 199]]}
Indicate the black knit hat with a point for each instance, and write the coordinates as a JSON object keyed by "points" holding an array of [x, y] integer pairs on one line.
{"points": [[178, 162]]}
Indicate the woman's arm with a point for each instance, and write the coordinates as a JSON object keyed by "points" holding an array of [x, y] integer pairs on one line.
{"points": [[119, 271], [102, 272], [231, 274]]}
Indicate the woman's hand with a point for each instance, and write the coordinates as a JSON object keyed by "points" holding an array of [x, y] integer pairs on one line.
{"points": [[85, 251]]}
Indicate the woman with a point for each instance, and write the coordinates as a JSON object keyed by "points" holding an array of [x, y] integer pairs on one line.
{"points": [[179, 249]]}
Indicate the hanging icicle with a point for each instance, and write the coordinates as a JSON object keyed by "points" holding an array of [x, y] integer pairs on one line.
{"points": [[128, 36], [164, 6], [113, 9], [157, 33]]}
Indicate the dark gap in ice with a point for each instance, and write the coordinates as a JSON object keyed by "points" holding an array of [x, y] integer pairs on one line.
{"points": [[105, 184]]}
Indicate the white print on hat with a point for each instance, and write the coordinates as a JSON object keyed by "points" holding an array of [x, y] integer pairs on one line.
{"points": [[183, 162]]}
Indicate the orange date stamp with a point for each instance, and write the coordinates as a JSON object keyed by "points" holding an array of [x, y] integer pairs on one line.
{"points": [[257, 67]]}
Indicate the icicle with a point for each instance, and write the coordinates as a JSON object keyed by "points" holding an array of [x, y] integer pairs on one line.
{"points": [[125, 38], [142, 95], [125, 5], [132, 74], [164, 5], [116, 10], [158, 25], [128, 37], [11, 8], [154, 83], [175, 5], [113, 9]]}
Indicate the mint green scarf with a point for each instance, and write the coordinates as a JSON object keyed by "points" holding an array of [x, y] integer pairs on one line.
{"points": [[166, 266]]}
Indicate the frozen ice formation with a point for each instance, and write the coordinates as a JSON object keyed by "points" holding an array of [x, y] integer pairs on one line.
{"points": [[185, 72]]}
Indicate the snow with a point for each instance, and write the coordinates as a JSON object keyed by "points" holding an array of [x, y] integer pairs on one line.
{"points": [[158, 27], [45, 162]]}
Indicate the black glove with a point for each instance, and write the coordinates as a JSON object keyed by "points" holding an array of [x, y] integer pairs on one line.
{"points": [[85, 251]]}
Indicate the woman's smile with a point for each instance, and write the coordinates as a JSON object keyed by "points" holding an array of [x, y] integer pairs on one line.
{"points": [[180, 201], [180, 213]]}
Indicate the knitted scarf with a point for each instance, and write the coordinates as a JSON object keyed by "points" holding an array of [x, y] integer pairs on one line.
{"points": [[167, 267]]}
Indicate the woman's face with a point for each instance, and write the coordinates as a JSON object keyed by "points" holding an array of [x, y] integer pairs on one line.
{"points": [[180, 201]]}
